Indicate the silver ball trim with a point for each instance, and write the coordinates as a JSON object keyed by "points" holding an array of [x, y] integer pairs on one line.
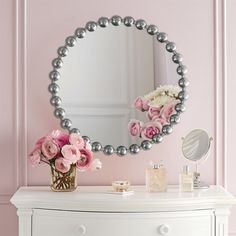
{"points": [[71, 41], [96, 147], [182, 70], [129, 21], [80, 33], [134, 149], [62, 51], [162, 37], [183, 82], [66, 123], [140, 24], [59, 113], [55, 101], [152, 29], [157, 138], [108, 150], [116, 20], [183, 95], [121, 151], [54, 75], [91, 26], [167, 129], [180, 107], [174, 119], [57, 63], [177, 58], [103, 22], [146, 145], [86, 139], [171, 47], [53, 88], [74, 131]]}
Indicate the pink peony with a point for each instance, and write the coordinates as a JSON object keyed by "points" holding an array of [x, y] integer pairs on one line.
{"points": [[50, 148], [77, 140], [150, 129], [85, 160], [71, 153], [153, 112], [96, 165], [141, 104], [135, 127], [168, 110], [35, 157], [62, 165], [60, 138]]}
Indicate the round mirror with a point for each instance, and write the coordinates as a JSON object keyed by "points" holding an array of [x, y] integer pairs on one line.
{"points": [[120, 83], [196, 145]]}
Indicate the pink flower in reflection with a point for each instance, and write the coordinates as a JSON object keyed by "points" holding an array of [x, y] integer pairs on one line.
{"points": [[141, 104], [135, 127], [150, 129]]}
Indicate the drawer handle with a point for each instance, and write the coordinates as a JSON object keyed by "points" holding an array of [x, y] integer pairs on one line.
{"points": [[164, 229], [81, 230]]}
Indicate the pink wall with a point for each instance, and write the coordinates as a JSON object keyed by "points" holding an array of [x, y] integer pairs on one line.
{"points": [[31, 32]]}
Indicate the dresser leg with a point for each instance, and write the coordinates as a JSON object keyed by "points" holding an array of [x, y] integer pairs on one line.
{"points": [[221, 216], [25, 222]]}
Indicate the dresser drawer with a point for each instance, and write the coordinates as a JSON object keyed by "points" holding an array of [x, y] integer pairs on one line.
{"points": [[69, 223]]}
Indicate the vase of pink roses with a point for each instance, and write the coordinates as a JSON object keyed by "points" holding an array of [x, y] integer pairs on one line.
{"points": [[65, 154]]}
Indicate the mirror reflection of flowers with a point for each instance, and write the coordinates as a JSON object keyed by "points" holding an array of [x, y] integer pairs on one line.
{"points": [[61, 151], [159, 105]]}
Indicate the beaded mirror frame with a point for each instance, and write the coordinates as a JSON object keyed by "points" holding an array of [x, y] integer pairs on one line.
{"points": [[80, 33]]}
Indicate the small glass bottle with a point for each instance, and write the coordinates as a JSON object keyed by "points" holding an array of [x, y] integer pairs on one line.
{"points": [[156, 178], [186, 180]]}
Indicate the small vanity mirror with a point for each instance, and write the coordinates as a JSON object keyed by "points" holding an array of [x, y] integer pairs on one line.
{"points": [[119, 82], [195, 147]]}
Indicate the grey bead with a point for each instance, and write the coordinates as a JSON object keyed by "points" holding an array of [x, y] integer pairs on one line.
{"points": [[183, 95], [59, 113], [177, 58], [62, 51], [157, 138], [152, 29], [183, 82], [80, 33], [54, 75], [71, 41], [162, 37], [174, 119], [134, 148], [116, 20], [96, 146], [170, 47], [57, 63], [167, 129], [140, 24], [55, 101], [53, 88], [66, 123], [121, 151], [182, 70], [91, 26], [129, 21], [180, 107], [146, 145], [86, 139], [74, 131], [108, 150], [103, 22]]}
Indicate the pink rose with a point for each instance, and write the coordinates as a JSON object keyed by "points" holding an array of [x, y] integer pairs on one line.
{"points": [[50, 148], [150, 129], [71, 153], [85, 160], [35, 157], [60, 137], [135, 127], [153, 112], [38, 144], [96, 165], [141, 104], [168, 110], [160, 120], [62, 165], [76, 140]]}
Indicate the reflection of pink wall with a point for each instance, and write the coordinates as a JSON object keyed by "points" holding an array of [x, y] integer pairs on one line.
{"points": [[28, 43]]}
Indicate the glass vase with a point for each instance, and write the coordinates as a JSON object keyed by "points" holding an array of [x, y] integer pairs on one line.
{"points": [[63, 182]]}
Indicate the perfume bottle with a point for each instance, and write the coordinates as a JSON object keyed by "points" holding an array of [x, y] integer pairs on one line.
{"points": [[186, 180], [156, 178]]}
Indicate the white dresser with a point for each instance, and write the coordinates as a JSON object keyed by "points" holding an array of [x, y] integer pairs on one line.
{"points": [[93, 211]]}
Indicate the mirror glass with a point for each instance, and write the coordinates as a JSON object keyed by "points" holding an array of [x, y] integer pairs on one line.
{"points": [[196, 145], [103, 75]]}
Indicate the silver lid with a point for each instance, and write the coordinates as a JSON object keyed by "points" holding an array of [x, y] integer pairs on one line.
{"points": [[186, 169]]}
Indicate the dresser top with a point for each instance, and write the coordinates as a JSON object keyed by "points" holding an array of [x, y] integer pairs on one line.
{"points": [[100, 198]]}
